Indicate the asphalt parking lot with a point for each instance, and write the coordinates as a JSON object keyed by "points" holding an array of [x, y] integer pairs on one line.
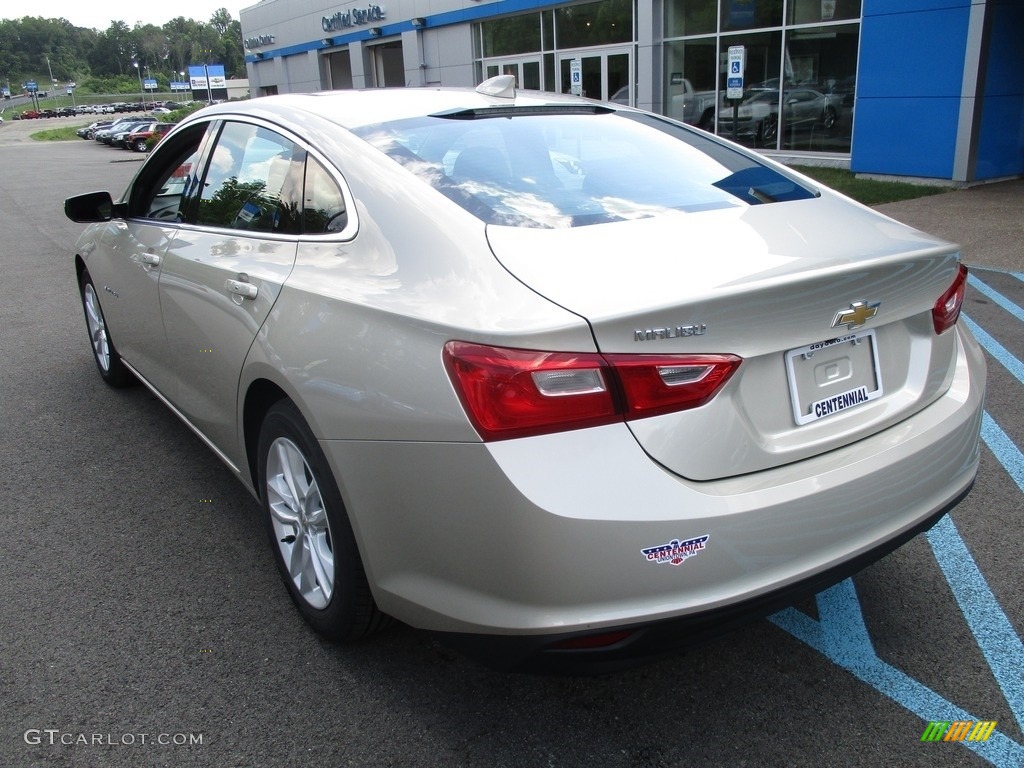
{"points": [[144, 623]]}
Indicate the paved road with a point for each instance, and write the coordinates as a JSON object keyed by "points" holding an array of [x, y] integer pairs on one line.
{"points": [[140, 602]]}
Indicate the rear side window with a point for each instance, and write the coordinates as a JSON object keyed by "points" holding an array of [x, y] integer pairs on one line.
{"points": [[562, 169], [323, 202], [253, 182]]}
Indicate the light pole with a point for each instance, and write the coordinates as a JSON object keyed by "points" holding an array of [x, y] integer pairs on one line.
{"points": [[207, 53], [142, 93], [182, 80], [53, 83]]}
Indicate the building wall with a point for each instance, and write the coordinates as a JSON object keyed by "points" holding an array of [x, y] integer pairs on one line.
{"points": [[909, 86], [1000, 148], [939, 86]]}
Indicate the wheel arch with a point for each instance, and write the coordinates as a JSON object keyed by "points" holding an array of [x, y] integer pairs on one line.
{"points": [[260, 397], [79, 269]]}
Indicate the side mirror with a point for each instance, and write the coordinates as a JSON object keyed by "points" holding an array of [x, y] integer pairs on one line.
{"points": [[92, 207]]}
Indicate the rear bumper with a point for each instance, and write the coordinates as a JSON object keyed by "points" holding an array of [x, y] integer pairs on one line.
{"points": [[541, 654], [517, 544]]}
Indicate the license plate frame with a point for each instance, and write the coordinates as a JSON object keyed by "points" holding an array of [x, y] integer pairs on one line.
{"points": [[833, 376]]}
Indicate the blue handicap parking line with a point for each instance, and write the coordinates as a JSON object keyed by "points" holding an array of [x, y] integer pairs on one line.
{"points": [[993, 631], [841, 634], [996, 296], [994, 348]]}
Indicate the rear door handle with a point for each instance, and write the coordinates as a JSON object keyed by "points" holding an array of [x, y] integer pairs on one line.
{"points": [[240, 288], [152, 259]]}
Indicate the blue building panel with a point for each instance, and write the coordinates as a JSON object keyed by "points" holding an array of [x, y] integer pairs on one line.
{"points": [[1004, 69], [1000, 148], [906, 137], [909, 87], [913, 53], [1001, 140], [882, 7]]}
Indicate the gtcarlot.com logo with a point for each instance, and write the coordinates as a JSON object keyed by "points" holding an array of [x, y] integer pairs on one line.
{"points": [[57, 737], [958, 730]]}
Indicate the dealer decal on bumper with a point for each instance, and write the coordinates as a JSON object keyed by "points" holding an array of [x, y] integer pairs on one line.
{"points": [[676, 552]]}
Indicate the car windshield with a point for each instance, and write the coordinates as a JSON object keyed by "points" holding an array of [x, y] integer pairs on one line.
{"points": [[563, 169]]}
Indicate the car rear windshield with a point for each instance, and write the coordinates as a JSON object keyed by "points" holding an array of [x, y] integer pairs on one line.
{"points": [[566, 169]]}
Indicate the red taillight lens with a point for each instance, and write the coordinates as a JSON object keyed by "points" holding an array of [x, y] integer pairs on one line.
{"points": [[516, 392], [653, 384], [947, 309]]}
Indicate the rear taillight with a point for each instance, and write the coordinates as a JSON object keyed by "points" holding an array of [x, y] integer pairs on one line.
{"points": [[516, 392], [947, 309]]}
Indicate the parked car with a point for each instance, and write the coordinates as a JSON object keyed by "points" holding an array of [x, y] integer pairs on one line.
{"points": [[139, 140], [119, 137], [106, 135], [86, 131], [803, 110], [561, 381], [693, 106]]}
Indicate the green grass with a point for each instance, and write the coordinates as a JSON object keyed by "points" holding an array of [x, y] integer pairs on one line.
{"points": [[868, 191], [64, 133]]}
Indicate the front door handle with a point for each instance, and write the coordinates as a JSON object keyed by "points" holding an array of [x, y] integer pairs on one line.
{"points": [[150, 259], [241, 288]]}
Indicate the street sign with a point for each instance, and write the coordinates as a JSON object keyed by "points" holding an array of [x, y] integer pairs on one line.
{"points": [[734, 75], [31, 85], [576, 77]]}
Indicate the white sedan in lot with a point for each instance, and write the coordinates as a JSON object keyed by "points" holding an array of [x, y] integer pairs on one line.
{"points": [[567, 383]]}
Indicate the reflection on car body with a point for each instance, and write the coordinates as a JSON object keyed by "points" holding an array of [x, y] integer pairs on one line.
{"points": [[407, 321]]}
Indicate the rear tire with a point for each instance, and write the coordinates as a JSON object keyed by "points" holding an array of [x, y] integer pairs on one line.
{"points": [[309, 530]]}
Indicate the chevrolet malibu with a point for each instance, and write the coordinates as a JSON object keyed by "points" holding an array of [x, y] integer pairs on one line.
{"points": [[564, 382]]}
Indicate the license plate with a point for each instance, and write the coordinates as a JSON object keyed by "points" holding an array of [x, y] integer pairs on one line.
{"points": [[833, 376]]}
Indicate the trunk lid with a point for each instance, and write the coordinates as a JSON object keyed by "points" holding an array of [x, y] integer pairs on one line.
{"points": [[790, 288]]}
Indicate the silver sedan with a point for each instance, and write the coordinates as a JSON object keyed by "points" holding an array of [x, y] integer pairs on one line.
{"points": [[562, 381]]}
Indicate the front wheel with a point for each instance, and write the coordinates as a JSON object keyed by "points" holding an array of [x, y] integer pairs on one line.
{"points": [[829, 119], [108, 361], [309, 530]]}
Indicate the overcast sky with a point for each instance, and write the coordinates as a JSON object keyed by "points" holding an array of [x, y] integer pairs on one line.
{"points": [[98, 15]]}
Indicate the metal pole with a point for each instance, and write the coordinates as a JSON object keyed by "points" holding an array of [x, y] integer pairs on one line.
{"points": [[53, 83], [142, 93]]}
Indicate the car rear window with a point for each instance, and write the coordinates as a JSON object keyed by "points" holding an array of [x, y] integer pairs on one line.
{"points": [[556, 169]]}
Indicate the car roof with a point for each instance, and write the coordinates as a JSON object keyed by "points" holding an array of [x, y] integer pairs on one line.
{"points": [[356, 108]]}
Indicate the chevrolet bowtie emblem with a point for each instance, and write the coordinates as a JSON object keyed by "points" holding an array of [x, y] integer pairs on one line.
{"points": [[858, 314]]}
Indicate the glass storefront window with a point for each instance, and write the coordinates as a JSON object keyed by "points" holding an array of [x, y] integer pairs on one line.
{"points": [[690, 17], [753, 121], [691, 69], [821, 78], [814, 11], [516, 34], [747, 14], [608, 21]]}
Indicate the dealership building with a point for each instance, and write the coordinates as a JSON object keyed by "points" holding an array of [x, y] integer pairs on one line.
{"points": [[930, 89]]}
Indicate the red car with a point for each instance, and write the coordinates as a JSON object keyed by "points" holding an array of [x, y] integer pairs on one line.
{"points": [[138, 140]]}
